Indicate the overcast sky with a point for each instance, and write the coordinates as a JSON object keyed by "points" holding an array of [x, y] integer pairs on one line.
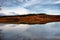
{"points": [[30, 6]]}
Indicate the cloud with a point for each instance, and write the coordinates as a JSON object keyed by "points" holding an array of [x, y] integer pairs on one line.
{"points": [[36, 6], [14, 11], [49, 1], [57, 1], [25, 3], [53, 9], [52, 12], [41, 2], [10, 3], [32, 2]]}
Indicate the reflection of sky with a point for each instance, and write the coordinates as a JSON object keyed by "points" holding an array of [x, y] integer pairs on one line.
{"points": [[19, 7]]}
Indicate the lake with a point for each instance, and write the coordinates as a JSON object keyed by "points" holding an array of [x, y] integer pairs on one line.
{"points": [[49, 31]]}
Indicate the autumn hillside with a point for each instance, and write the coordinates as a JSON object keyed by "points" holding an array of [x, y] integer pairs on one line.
{"points": [[30, 19]]}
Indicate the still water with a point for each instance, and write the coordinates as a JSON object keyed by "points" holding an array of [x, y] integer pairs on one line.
{"points": [[49, 31]]}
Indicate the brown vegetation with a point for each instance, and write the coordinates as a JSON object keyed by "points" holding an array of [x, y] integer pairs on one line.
{"points": [[30, 19]]}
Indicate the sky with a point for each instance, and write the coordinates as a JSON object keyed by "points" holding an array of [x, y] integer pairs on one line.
{"points": [[30, 6], [22, 7]]}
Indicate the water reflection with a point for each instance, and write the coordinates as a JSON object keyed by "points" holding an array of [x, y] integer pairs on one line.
{"points": [[50, 31]]}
